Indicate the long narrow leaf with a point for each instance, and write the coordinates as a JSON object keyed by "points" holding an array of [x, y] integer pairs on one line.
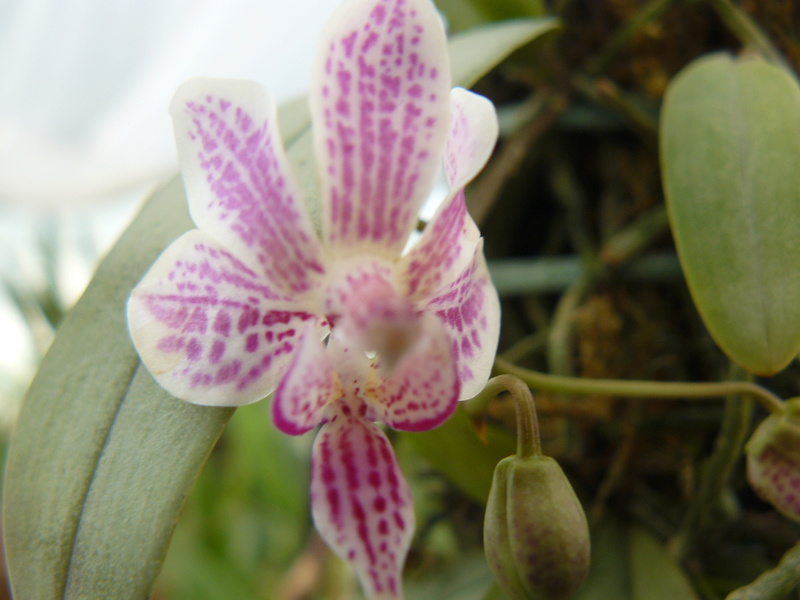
{"points": [[102, 458]]}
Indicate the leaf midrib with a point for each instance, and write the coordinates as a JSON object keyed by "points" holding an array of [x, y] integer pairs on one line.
{"points": [[90, 481]]}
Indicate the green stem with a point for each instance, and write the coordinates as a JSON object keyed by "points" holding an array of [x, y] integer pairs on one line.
{"points": [[775, 584], [605, 91], [546, 274], [639, 235], [744, 28], [526, 345], [561, 384], [715, 475], [562, 330], [621, 38], [528, 439]]}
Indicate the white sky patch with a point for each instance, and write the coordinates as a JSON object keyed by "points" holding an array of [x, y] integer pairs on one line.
{"points": [[84, 128]]}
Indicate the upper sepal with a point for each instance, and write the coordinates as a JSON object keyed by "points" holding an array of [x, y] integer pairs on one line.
{"points": [[380, 105]]}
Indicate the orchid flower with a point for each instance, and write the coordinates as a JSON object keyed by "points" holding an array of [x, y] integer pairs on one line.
{"points": [[773, 460], [344, 326]]}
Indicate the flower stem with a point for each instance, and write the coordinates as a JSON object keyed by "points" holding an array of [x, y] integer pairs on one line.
{"points": [[744, 28], [715, 475], [561, 384], [774, 584], [528, 440]]}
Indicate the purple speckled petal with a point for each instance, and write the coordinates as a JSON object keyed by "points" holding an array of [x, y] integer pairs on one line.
{"points": [[238, 181], [381, 109], [448, 243], [208, 328], [307, 388], [444, 250], [361, 503], [473, 134], [470, 310], [422, 391], [775, 477]]}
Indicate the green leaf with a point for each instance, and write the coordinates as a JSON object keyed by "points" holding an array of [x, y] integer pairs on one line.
{"points": [[628, 563], [466, 579], [730, 143], [477, 51], [102, 458], [654, 574], [455, 450]]}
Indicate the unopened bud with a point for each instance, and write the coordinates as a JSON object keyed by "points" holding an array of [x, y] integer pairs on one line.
{"points": [[773, 460], [536, 537]]}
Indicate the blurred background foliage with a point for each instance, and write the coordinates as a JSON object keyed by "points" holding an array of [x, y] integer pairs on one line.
{"points": [[572, 212]]}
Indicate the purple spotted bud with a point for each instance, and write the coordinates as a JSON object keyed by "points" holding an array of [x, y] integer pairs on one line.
{"points": [[535, 534], [773, 460]]}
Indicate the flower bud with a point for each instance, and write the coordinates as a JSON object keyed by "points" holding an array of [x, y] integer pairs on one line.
{"points": [[773, 460], [536, 537]]}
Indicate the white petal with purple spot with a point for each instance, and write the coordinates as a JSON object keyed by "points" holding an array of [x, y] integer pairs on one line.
{"points": [[238, 181], [422, 390], [473, 135], [380, 104], [469, 308], [208, 328], [307, 388], [361, 503]]}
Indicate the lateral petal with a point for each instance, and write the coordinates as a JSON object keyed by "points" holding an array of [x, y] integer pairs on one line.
{"points": [[473, 135], [444, 250], [448, 242], [469, 308], [209, 329], [422, 391], [307, 388], [380, 106], [361, 503], [238, 181]]}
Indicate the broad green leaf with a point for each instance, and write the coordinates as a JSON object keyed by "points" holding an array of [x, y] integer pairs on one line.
{"points": [[475, 52], [102, 458], [730, 148]]}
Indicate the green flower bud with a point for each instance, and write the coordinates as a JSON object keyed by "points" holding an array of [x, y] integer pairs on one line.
{"points": [[773, 460], [536, 537]]}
